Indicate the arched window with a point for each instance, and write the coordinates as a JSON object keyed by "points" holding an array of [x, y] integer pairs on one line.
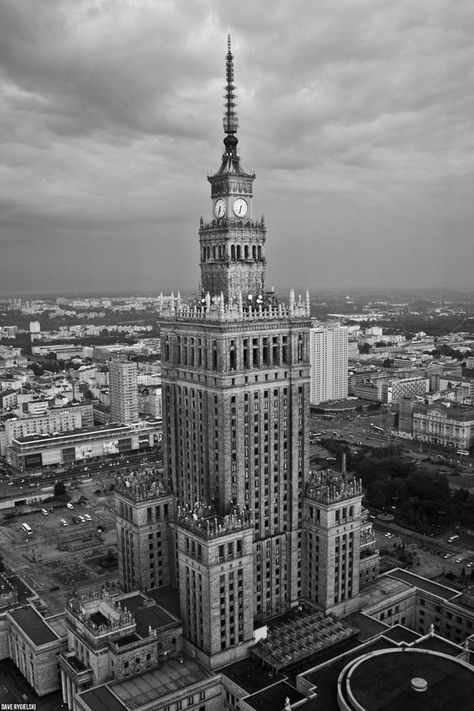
{"points": [[232, 252], [246, 252]]}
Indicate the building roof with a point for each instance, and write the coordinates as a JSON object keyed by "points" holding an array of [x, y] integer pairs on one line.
{"points": [[33, 625], [173, 676], [101, 699], [324, 678], [368, 627], [147, 615], [58, 623], [424, 584], [273, 697], [435, 643], [383, 588], [168, 597], [250, 675], [299, 634], [383, 682], [399, 633]]}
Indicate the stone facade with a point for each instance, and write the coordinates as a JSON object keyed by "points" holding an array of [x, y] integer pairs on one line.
{"points": [[35, 654], [331, 540], [215, 558], [144, 507]]}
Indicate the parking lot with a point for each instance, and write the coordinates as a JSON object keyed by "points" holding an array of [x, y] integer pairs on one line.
{"points": [[54, 559]]}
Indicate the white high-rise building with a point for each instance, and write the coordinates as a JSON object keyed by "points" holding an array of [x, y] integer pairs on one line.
{"points": [[123, 391], [328, 357]]}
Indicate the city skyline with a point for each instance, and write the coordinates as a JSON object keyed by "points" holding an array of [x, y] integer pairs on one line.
{"points": [[357, 123]]}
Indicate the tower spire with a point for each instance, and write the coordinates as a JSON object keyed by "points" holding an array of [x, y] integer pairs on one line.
{"points": [[230, 114]]}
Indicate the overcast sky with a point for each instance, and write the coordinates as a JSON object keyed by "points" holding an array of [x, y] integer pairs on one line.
{"points": [[356, 115]]}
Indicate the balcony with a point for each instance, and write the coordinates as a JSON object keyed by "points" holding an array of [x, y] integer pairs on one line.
{"points": [[75, 669]]}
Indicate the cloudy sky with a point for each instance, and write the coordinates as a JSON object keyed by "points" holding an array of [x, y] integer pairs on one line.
{"points": [[356, 115]]}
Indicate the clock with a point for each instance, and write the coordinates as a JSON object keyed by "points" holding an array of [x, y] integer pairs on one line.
{"points": [[219, 208], [240, 207]]}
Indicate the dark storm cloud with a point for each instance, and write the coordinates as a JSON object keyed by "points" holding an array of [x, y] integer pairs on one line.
{"points": [[357, 117]]}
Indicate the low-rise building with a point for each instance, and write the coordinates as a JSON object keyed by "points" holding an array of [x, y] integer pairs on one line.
{"points": [[34, 647], [35, 451], [114, 637], [444, 423]]}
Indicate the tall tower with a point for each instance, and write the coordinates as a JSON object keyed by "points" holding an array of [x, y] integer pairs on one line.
{"points": [[329, 363], [331, 539], [123, 391], [232, 243], [235, 381]]}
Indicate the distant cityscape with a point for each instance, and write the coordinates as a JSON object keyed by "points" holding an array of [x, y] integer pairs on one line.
{"points": [[241, 498]]}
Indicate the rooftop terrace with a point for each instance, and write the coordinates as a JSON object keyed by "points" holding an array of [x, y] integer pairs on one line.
{"points": [[204, 522], [142, 485], [328, 487]]}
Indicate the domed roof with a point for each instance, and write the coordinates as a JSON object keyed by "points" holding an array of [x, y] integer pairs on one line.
{"points": [[408, 679]]}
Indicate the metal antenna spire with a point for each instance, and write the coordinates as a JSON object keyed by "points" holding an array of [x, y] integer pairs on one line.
{"points": [[230, 115]]}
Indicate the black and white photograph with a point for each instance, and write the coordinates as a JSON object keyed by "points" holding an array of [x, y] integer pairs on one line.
{"points": [[236, 355]]}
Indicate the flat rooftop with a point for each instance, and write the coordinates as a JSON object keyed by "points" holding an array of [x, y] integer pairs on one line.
{"points": [[173, 676], [382, 589], [273, 697], [147, 615], [58, 623], [325, 677], [250, 675], [168, 598], [424, 584], [102, 699], [368, 627], [33, 625], [399, 633], [434, 643], [383, 682]]}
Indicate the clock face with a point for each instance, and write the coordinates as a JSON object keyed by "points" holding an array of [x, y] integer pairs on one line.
{"points": [[240, 207], [219, 208]]}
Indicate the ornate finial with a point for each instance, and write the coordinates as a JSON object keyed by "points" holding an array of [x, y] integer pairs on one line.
{"points": [[230, 115]]}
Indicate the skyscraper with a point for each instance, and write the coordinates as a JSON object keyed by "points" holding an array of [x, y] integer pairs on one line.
{"points": [[235, 378], [123, 391], [329, 360]]}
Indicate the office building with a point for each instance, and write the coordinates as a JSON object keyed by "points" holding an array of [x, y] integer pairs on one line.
{"points": [[35, 451], [329, 363], [123, 391]]}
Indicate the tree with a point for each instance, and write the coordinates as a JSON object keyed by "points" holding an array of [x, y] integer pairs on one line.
{"points": [[59, 489]]}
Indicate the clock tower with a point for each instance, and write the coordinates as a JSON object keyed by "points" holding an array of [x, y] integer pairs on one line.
{"points": [[235, 383], [232, 243]]}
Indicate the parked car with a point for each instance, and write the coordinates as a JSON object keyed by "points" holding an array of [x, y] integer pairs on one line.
{"points": [[64, 522], [82, 519], [44, 512], [88, 517], [69, 505]]}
